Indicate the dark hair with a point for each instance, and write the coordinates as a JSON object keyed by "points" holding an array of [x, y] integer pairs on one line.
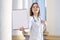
{"points": [[31, 13]]}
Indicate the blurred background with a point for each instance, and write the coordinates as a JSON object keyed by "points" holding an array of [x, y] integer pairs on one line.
{"points": [[9, 25]]}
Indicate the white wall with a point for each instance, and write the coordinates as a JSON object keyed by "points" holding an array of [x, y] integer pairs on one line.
{"points": [[57, 17], [0, 19], [6, 19], [53, 19]]}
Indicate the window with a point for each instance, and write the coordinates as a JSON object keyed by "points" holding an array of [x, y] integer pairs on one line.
{"points": [[20, 4]]}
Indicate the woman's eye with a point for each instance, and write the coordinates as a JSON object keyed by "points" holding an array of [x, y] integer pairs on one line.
{"points": [[33, 7], [36, 7]]}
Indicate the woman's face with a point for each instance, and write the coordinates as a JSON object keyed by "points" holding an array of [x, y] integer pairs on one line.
{"points": [[35, 9]]}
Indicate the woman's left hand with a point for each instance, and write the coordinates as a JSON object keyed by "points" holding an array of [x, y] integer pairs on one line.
{"points": [[43, 21]]}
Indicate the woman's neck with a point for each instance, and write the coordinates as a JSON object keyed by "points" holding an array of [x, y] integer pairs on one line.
{"points": [[35, 15]]}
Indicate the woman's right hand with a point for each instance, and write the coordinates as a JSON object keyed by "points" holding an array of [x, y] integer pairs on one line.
{"points": [[21, 28]]}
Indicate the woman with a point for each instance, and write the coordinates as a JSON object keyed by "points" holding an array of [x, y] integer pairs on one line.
{"points": [[35, 23]]}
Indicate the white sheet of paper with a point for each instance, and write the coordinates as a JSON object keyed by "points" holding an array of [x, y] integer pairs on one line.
{"points": [[20, 18]]}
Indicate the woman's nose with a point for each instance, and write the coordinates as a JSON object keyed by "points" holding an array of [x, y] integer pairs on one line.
{"points": [[35, 7]]}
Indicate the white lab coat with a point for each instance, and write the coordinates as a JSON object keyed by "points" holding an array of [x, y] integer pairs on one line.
{"points": [[36, 29]]}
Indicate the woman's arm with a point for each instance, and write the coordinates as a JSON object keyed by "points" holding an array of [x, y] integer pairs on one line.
{"points": [[44, 25], [22, 28]]}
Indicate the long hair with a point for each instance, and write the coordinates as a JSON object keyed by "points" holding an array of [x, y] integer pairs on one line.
{"points": [[31, 13]]}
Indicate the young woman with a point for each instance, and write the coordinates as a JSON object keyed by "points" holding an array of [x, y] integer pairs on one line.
{"points": [[35, 23]]}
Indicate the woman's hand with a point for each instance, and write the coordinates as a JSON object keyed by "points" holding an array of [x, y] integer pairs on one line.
{"points": [[21, 28], [44, 22], [44, 25]]}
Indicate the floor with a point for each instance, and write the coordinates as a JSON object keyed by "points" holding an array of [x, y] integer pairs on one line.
{"points": [[27, 38], [47, 38]]}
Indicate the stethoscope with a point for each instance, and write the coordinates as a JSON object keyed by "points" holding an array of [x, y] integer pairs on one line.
{"points": [[35, 20]]}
